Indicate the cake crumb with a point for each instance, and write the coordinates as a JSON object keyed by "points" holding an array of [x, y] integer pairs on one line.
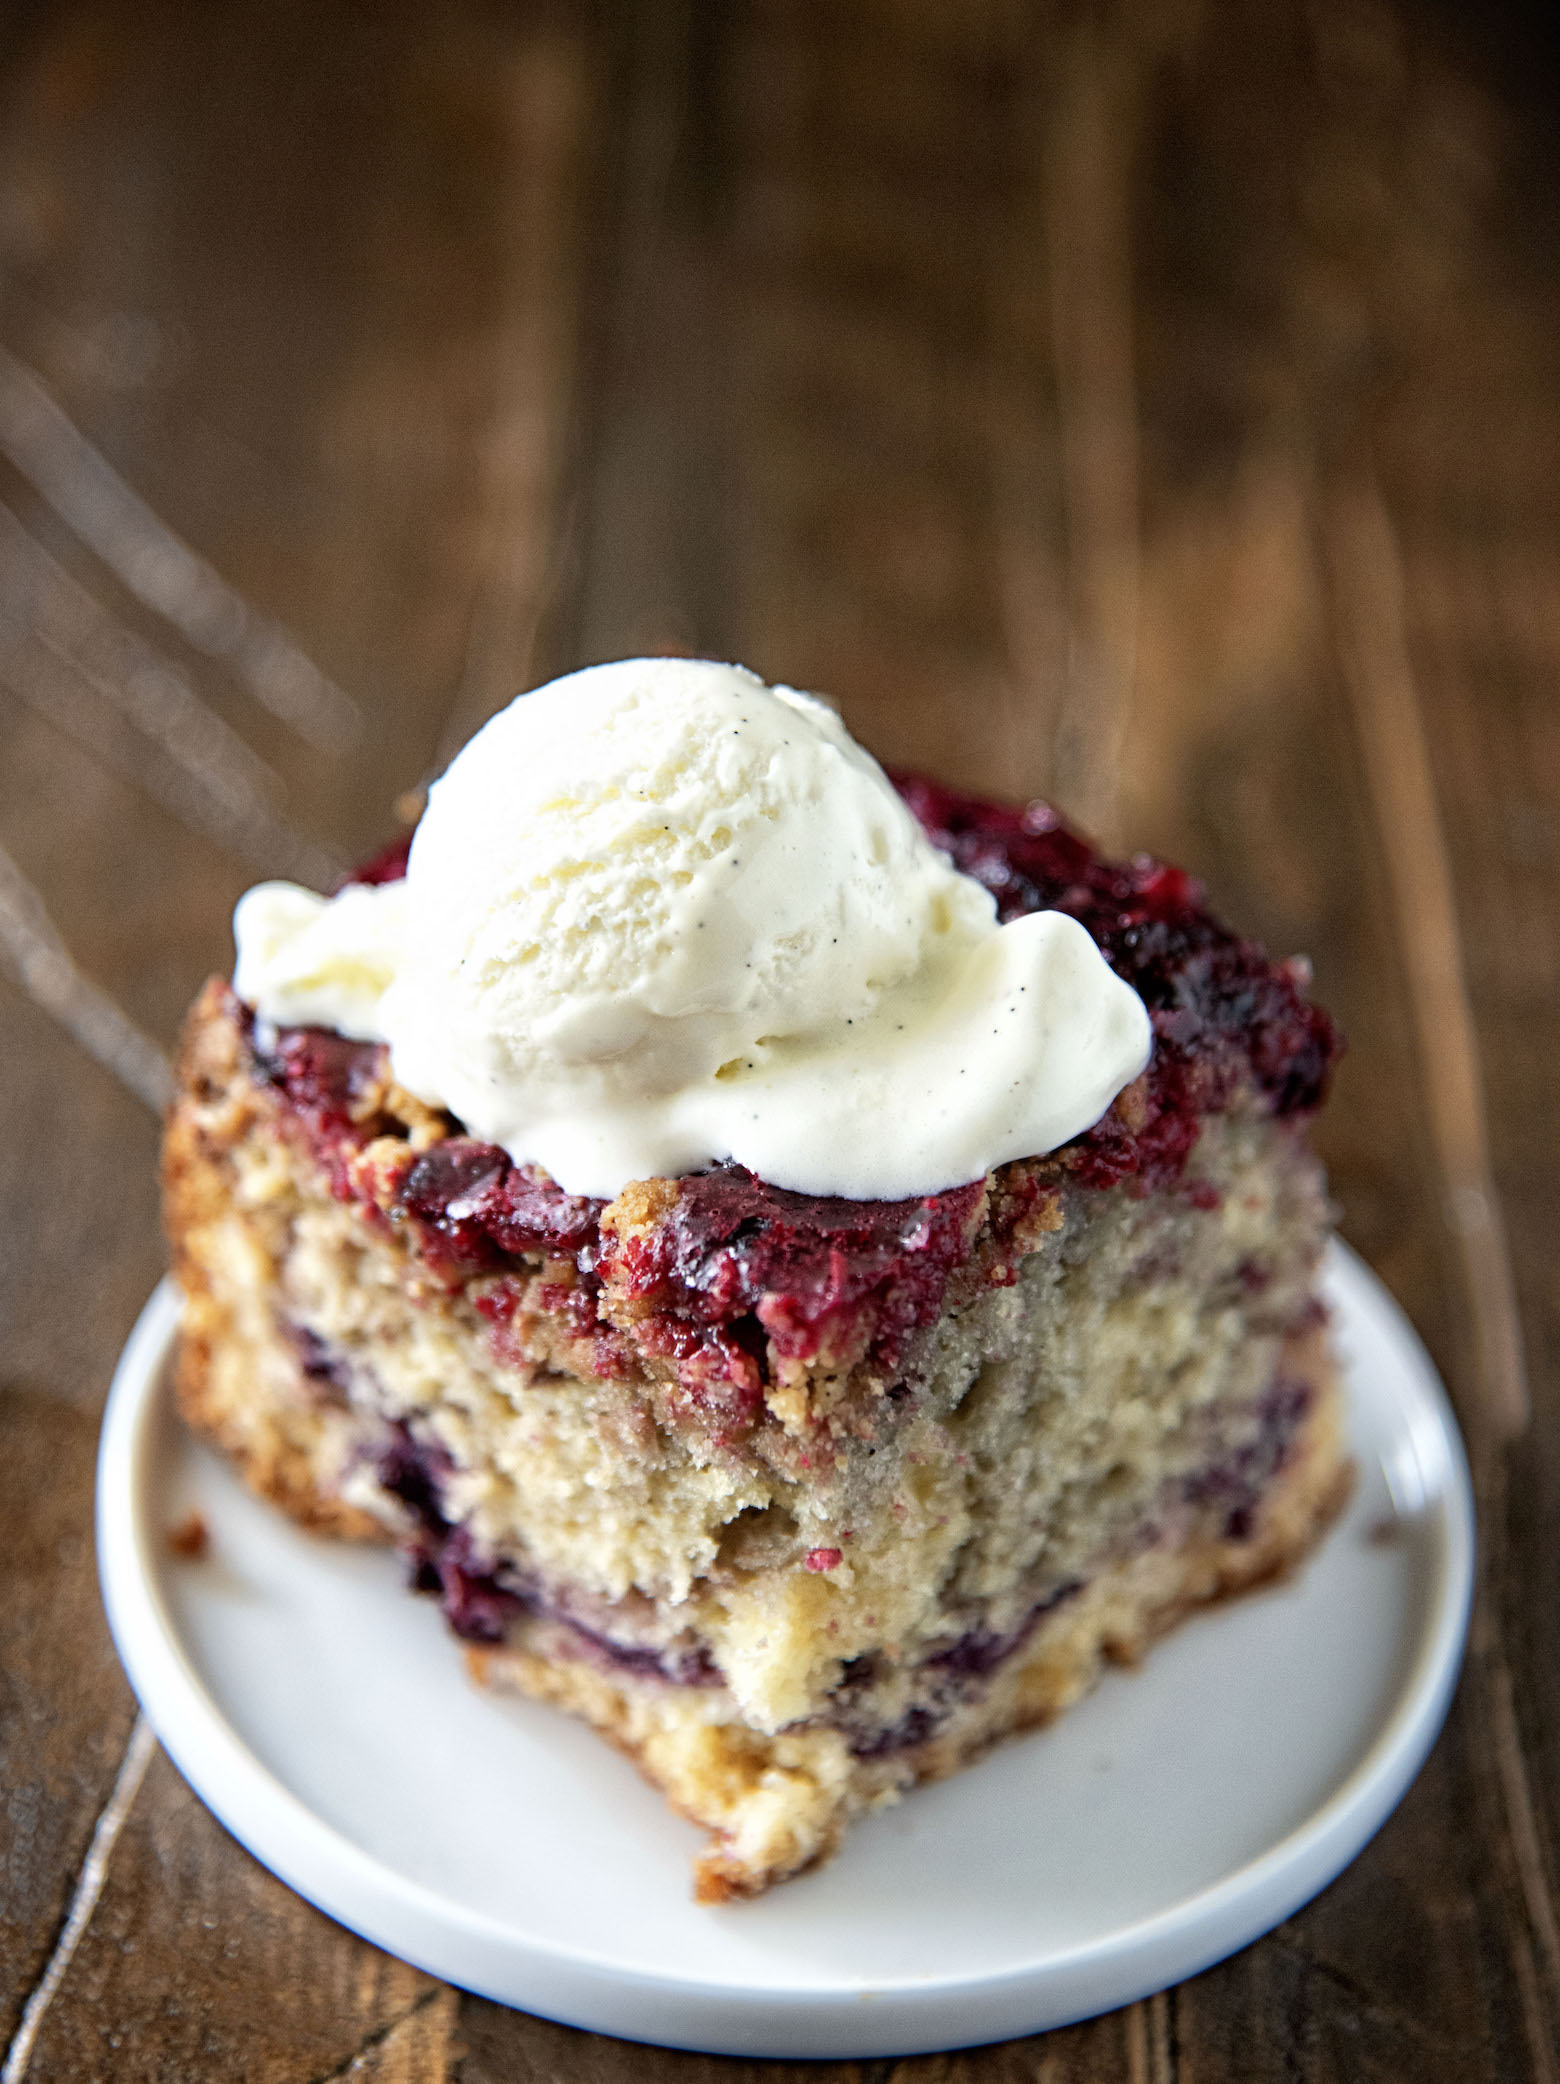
{"points": [[191, 1538]]}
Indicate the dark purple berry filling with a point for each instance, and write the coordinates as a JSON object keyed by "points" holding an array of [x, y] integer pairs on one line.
{"points": [[488, 1211], [320, 1366], [959, 1671], [1235, 1484], [479, 1598]]}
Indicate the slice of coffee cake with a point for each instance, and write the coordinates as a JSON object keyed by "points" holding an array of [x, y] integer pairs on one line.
{"points": [[796, 1498]]}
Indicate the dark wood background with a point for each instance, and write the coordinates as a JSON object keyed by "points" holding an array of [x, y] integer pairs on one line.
{"points": [[1156, 403]]}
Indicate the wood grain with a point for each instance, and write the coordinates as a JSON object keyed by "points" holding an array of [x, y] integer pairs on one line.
{"points": [[1153, 401]]}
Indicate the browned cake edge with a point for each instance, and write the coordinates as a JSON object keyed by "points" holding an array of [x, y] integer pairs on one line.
{"points": [[275, 1446]]}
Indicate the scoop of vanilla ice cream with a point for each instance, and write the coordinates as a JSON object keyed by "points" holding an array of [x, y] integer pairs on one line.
{"points": [[641, 871], [658, 914]]}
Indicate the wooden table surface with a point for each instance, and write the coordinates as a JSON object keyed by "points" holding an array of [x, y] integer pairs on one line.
{"points": [[1156, 404]]}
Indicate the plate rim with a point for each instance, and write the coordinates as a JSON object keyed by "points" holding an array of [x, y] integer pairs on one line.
{"points": [[861, 2019]]}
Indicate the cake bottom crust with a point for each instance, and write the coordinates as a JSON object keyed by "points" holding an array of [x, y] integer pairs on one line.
{"points": [[774, 1805]]}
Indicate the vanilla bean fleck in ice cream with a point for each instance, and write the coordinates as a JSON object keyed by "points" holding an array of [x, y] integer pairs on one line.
{"points": [[658, 914]]}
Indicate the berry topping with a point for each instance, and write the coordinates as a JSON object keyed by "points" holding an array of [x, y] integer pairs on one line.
{"points": [[726, 1279]]}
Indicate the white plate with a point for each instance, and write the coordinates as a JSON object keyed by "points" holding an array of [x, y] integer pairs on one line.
{"points": [[1173, 1816]]}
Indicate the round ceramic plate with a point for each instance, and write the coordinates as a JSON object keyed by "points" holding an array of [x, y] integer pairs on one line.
{"points": [[1174, 1815]]}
